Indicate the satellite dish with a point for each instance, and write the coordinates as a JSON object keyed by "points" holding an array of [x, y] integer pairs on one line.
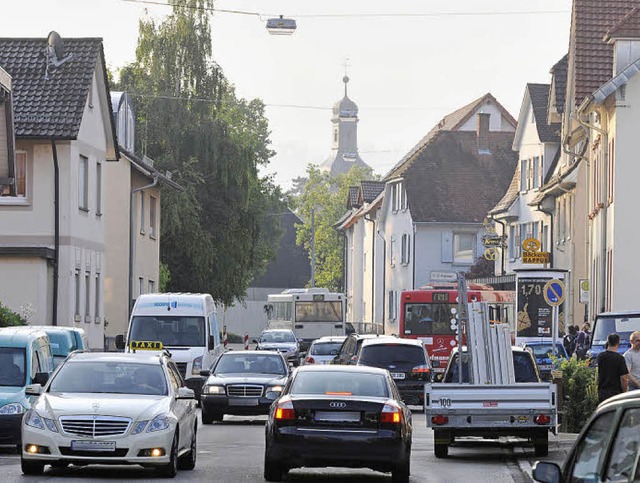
{"points": [[56, 49]]}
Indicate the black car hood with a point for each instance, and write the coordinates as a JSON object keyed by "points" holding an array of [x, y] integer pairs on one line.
{"points": [[263, 379]]}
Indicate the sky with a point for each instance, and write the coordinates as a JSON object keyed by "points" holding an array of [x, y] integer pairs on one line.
{"points": [[407, 71]]}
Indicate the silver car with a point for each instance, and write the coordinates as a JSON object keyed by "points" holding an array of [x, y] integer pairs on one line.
{"points": [[324, 349]]}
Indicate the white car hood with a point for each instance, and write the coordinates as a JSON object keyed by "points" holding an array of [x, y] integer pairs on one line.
{"points": [[131, 406]]}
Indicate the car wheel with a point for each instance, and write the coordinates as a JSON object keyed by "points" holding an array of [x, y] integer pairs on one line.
{"points": [[401, 473], [30, 467], [207, 417], [188, 460], [217, 416], [273, 470], [170, 470], [441, 450]]}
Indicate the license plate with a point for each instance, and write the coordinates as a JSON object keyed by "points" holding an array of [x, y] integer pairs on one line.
{"points": [[397, 375], [97, 446], [251, 401], [342, 416], [545, 367]]}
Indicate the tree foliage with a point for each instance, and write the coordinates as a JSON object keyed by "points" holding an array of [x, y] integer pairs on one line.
{"points": [[326, 196], [580, 388], [215, 237], [10, 318]]}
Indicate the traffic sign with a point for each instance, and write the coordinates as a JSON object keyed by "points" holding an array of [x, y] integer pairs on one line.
{"points": [[554, 292]]}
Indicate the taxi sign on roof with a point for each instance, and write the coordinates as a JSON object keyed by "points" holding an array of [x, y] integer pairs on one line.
{"points": [[145, 345]]}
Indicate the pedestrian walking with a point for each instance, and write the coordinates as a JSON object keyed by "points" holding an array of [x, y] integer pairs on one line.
{"points": [[569, 340], [581, 344], [632, 357], [612, 370]]}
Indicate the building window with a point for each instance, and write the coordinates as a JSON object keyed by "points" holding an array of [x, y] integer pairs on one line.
{"points": [[142, 212], [97, 299], [99, 188], [20, 178], [152, 286], [140, 285], [152, 215], [512, 241], [403, 197], [87, 296], [392, 251], [392, 305], [83, 183], [406, 249], [335, 136], [463, 248], [536, 172], [523, 175], [394, 197], [77, 295], [611, 169]]}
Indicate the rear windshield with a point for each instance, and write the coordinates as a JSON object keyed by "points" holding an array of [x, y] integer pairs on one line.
{"points": [[62, 343], [386, 354], [325, 348], [542, 351], [12, 366], [623, 326], [340, 384], [522, 365]]}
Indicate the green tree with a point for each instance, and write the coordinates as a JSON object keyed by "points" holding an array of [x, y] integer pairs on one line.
{"points": [[326, 196], [216, 236], [579, 382], [10, 318]]}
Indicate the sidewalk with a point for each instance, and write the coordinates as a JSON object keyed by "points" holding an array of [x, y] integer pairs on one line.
{"points": [[559, 447]]}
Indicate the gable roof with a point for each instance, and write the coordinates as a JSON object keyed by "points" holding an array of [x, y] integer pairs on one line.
{"points": [[539, 95], [449, 181], [590, 57], [628, 27], [352, 196], [371, 189], [49, 101], [450, 122]]}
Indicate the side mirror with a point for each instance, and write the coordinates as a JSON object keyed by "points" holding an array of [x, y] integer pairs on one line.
{"points": [[41, 378], [33, 390], [205, 373], [185, 393], [438, 377], [212, 342], [547, 472], [120, 342]]}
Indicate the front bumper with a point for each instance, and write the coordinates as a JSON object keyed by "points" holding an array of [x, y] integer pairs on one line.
{"points": [[126, 452], [10, 428], [221, 404]]}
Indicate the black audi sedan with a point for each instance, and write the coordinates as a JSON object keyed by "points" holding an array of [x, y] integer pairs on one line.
{"points": [[346, 416], [242, 383]]}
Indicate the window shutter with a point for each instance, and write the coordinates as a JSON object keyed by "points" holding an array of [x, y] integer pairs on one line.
{"points": [[447, 247]]}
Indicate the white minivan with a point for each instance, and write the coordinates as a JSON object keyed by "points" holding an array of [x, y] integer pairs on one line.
{"points": [[185, 324]]}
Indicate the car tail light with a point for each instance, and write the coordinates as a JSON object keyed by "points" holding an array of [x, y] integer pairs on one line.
{"points": [[439, 420], [284, 409], [542, 419], [421, 369], [310, 360], [390, 413]]}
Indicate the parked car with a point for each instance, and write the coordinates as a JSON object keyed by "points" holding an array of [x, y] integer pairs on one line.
{"points": [[105, 408], [350, 348], [607, 449], [281, 340], [64, 340], [339, 416], [242, 383], [324, 349], [524, 366], [543, 353], [622, 323], [406, 360], [25, 359]]}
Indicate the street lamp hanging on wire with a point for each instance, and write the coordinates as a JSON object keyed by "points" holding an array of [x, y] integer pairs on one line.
{"points": [[281, 26]]}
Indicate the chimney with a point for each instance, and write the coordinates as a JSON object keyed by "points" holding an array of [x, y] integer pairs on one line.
{"points": [[483, 132]]}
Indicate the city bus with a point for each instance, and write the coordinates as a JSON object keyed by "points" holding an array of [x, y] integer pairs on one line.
{"points": [[310, 312], [429, 314]]}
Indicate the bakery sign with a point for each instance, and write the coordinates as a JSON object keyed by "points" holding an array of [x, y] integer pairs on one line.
{"points": [[531, 253]]}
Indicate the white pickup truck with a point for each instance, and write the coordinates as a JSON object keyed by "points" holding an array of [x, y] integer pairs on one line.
{"points": [[522, 409]]}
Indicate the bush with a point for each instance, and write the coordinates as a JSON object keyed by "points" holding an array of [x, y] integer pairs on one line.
{"points": [[580, 393], [9, 318]]}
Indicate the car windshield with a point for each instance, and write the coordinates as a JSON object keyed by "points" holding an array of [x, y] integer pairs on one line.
{"points": [[543, 351], [522, 365], [62, 343], [340, 384], [171, 330], [325, 348], [623, 326], [250, 364], [400, 356], [111, 377], [277, 336], [12, 366]]}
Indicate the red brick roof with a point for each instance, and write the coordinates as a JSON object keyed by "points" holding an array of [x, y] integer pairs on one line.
{"points": [[591, 57], [628, 27]]}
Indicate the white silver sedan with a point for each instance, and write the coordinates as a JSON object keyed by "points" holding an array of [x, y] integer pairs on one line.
{"points": [[112, 408], [324, 349]]}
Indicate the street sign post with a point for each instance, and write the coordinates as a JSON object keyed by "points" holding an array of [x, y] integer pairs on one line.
{"points": [[554, 294]]}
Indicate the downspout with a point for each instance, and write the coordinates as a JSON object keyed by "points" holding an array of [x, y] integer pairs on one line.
{"points": [[413, 257], [373, 270], [56, 233], [504, 233], [384, 277], [132, 236]]}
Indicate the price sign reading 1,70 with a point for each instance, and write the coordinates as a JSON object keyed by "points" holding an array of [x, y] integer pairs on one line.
{"points": [[529, 288]]}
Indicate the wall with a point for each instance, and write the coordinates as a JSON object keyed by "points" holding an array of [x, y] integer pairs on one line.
{"points": [[34, 296]]}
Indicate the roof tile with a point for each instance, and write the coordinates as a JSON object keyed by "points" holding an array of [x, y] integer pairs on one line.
{"points": [[539, 94]]}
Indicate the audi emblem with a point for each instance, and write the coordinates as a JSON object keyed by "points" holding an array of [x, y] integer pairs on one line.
{"points": [[337, 405]]}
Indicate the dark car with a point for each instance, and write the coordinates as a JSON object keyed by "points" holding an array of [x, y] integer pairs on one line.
{"points": [[242, 383], [543, 353], [350, 348], [607, 449], [339, 416], [621, 323], [406, 360], [524, 366], [281, 340]]}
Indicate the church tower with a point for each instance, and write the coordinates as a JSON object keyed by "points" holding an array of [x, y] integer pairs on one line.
{"points": [[344, 145]]}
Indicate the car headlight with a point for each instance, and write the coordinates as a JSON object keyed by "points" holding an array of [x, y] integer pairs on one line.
{"points": [[197, 366], [273, 392], [34, 420], [12, 408], [51, 425], [139, 427], [218, 390], [159, 423]]}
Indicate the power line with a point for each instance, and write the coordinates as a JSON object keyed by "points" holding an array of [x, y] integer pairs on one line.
{"points": [[204, 9]]}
